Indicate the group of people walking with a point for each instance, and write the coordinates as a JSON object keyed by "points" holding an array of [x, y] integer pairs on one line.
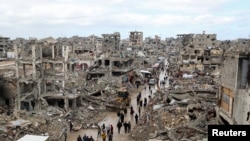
{"points": [[106, 131]]}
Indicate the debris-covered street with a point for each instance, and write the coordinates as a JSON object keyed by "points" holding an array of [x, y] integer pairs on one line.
{"points": [[157, 91]]}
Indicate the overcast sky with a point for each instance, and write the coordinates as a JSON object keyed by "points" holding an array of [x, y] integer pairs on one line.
{"points": [[229, 19]]}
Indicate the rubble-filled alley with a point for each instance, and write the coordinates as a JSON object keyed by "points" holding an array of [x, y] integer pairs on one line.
{"points": [[177, 86]]}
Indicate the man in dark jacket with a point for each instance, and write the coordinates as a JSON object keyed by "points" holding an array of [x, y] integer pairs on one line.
{"points": [[125, 126], [119, 125], [79, 138], [136, 118]]}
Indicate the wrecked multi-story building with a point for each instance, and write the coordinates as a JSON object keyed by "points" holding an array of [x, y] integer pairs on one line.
{"points": [[234, 99], [136, 39], [113, 60], [111, 42], [154, 46], [171, 44], [45, 76], [199, 52], [4, 45]]}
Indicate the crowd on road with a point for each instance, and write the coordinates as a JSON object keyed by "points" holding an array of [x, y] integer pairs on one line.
{"points": [[106, 131]]}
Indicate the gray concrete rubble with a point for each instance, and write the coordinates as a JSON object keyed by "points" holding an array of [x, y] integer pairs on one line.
{"points": [[48, 84]]}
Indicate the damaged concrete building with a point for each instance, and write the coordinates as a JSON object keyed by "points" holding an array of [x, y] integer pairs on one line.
{"points": [[4, 46], [78, 78], [199, 52], [110, 42], [233, 105], [42, 74], [136, 39]]}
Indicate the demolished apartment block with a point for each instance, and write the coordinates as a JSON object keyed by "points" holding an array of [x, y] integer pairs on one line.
{"points": [[110, 42], [234, 99], [113, 61], [4, 45], [43, 71], [154, 46], [136, 39], [199, 52]]}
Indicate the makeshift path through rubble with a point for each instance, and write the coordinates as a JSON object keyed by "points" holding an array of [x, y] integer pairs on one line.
{"points": [[111, 118]]}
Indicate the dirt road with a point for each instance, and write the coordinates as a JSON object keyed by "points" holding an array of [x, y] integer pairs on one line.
{"points": [[112, 118]]}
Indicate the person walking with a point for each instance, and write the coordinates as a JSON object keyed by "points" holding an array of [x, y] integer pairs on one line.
{"points": [[139, 111], [84, 138], [104, 136], [99, 131], [131, 110], [65, 134], [125, 111], [122, 117], [119, 125], [141, 103], [129, 126], [103, 127], [145, 102], [118, 113], [136, 118], [138, 100], [125, 126], [79, 138], [107, 128], [71, 126], [111, 129], [110, 137], [91, 139]]}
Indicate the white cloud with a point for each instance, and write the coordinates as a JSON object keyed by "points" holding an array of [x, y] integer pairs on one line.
{"points": [[115, 14]]}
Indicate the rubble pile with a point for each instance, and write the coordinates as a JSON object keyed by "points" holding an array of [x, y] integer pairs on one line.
{"points": [[48, 122], [179, 114]]}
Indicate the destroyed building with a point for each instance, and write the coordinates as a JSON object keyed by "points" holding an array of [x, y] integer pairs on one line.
{"points": [[154, 45], [233, 105], [4, 46], [83, 74], [43, 70], [110, 42], [199, 52], [136, 39]]}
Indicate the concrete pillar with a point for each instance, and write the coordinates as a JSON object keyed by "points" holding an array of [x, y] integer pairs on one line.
{"points": [[41, 52], [63, 47], [34, 62], [53, 51], [24, 71], [53, 72], [66, 104], [18, 102], [44, 87], [16, 60], [74, 92], [30, 106], [66, 62], [110, 66], [37, 101]]}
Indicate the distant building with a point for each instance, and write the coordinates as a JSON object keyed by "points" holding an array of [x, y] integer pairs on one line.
{"points": [[136, 38], [199, 51], [110, 41], [4, 45]]}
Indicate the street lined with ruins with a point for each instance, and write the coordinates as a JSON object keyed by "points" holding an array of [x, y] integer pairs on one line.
{"points": [[62, 88]]}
